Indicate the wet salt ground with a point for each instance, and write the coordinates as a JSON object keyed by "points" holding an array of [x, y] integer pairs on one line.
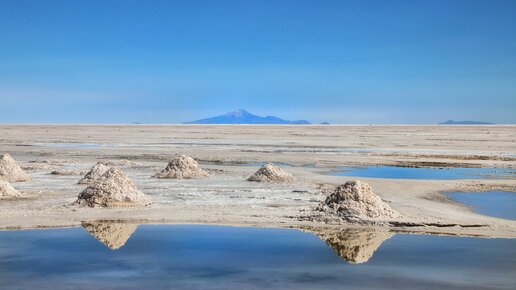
{"points": [[246, 146], [218, 188], [499, 204], [212, 257], [425, 173], [225, 189], [281, 164]]}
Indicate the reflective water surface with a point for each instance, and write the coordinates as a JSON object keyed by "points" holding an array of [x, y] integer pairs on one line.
{"points": [[425, 173], [107, 255], [500, 204]]}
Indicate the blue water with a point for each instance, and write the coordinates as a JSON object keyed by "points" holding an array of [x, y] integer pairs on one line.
{"points": [[209, 257], [493, 203], [425, 173]]}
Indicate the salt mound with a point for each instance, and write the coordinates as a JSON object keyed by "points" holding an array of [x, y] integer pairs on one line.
{"points": [[112, 189], [352, 244], [271, 173], [182, 167], [95, 172], [10, 170], [112, 234], [7, 191], [355, 201]]}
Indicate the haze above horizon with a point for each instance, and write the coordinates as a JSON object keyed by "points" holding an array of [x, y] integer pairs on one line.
{"points": [[418, 62]]}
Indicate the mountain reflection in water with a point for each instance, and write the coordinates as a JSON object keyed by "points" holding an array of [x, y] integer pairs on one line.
{"points": [[221, 257], [355, 245], [113, 234]]}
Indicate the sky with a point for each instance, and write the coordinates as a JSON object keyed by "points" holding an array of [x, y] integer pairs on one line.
{"points": [[109, 61]]}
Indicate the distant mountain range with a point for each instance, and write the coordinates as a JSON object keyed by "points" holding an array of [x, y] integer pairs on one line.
{"points": [[451, 122], [244, 117]]}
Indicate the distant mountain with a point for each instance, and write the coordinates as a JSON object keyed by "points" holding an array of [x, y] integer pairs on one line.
{"points": [[244, 117], [451, 122]]}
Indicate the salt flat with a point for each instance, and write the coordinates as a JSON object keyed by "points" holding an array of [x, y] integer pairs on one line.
{"points": [[231, 153]]}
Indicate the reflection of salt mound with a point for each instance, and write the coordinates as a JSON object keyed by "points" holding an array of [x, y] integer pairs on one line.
{"points": [[271, 173], [95, 172], [182, 167], [354, 245], [7, 191], [10, 170], [112, 234], [355, 201], [112, 189]]}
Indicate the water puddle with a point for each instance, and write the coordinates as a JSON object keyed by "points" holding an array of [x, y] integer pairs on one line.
{"points": [[499, 204], [425, 173], [114, 255]]}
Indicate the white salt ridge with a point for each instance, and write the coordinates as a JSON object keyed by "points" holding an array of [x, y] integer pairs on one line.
{"points": [[271, 173], [182, 167], [113, 189], [94, 173], [10, 170], [356, 202], [7, 191]]}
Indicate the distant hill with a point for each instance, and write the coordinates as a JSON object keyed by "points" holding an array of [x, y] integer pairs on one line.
{"points": [[244, 117], [451, 122]]}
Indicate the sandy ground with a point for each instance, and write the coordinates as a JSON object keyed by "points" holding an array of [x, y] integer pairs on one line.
{"points": [[226, 198]]}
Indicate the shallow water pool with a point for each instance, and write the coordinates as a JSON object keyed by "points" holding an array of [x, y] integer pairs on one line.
{"points": [[106, 255], [500, 204], [425, 173]]}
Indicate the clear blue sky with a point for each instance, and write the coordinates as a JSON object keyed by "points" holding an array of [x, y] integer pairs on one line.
{"points": [[338, 61]]}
